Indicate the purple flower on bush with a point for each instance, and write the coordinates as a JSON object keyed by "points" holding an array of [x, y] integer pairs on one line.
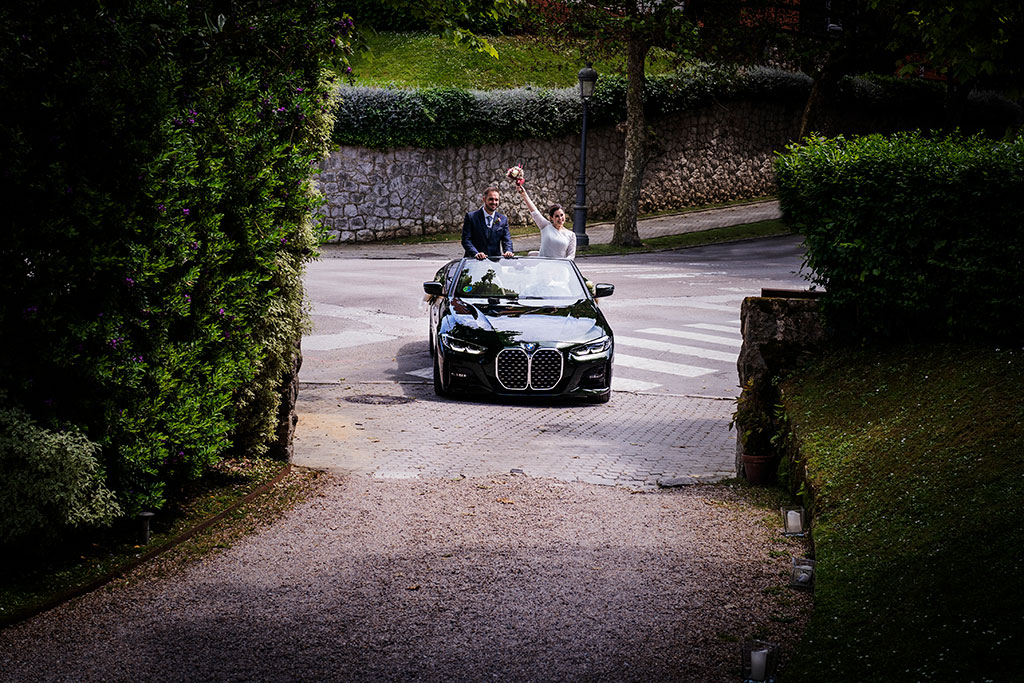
{"points": [[188, 298], [185, 211], [128, 281], [161, 208]]}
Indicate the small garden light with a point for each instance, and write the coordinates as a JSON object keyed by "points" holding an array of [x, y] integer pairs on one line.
{"points": [[803, 573], [794, 521], [144, 518], [760, 661]]}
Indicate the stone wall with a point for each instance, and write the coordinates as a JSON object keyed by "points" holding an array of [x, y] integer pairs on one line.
{"points": [[780, 331], [714, 154]]}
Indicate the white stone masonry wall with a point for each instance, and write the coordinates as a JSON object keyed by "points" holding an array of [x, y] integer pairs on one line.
{"points": [[715, 154]]}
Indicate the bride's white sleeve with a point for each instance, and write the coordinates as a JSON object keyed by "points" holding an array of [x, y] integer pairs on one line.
{"points": [[570, 250], [539, 219]]}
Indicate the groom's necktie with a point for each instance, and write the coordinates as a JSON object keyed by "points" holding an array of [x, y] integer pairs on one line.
{"points": [[489, 220]]}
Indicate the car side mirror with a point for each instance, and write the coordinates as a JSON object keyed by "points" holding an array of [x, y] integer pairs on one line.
{"points": [[603, 289], [433, 288]]}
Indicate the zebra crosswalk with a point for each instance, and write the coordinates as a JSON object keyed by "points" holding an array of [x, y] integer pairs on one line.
{"points": [[677, 344], [671, 358]]}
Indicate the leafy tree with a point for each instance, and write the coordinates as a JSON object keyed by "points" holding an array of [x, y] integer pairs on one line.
{"points": [[975, 43], [635, 26], [826, 40]]}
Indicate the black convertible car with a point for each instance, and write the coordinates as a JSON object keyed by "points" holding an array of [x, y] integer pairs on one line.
{"points": [[521, 326]]}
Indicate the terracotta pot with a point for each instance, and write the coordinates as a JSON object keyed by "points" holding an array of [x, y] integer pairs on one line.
{"points": [[760, 469]]}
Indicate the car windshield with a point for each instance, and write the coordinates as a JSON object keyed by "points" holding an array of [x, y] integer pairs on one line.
{"points": [[520, 279]]}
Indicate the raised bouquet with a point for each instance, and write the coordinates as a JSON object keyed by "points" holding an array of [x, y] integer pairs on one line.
{"points": [[515, 174]]}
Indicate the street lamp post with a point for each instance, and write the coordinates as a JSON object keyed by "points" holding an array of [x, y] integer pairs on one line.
{"points": [[588, 77]]}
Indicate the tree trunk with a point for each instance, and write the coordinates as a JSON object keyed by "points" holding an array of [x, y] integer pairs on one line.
{"points": [[823, 80], [626, 234]]}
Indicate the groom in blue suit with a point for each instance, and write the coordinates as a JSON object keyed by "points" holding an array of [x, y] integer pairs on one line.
{"points": [[485, 231]]}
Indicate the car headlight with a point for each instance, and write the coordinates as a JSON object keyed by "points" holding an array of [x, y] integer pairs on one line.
{"points": [[594, 348], [459, 346]]}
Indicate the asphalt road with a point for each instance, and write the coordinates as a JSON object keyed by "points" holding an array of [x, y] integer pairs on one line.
{"points": [[366, 404], [675, 315]]}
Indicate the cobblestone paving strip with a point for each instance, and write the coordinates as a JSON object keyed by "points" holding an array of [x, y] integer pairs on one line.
{"points": [[637, 440]]}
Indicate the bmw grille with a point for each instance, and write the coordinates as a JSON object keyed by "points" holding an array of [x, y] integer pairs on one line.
{"points": [[518, 370]]}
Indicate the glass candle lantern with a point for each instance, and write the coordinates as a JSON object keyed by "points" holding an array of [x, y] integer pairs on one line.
{"points": [[803, 573], [794, 521], [760, 661]]}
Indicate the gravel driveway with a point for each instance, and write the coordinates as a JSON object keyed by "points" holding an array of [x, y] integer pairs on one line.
{"points": [[497, 577]]}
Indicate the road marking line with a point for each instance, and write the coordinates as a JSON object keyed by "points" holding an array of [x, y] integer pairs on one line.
{"points": [[655, 345], [697, 336], [624, 384], [667, 276], [661, 366], [675, 302], [342, 340], [731, 328]]}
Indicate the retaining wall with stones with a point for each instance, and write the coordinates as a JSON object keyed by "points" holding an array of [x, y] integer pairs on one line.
{"points": [[715, 154]]}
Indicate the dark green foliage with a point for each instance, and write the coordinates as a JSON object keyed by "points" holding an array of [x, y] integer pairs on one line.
{"points": [[479, 16], [441, 117], [156, 186], [912, 237], [448, 116], [52, 480]]}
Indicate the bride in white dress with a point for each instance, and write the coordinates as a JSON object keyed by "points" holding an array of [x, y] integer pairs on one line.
{"points": [[556, 241]]}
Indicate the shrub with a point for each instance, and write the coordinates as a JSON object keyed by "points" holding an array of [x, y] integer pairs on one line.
{"points": [[444, 117], [157, 192], [50, 481], [912, 237], [448, 116]]}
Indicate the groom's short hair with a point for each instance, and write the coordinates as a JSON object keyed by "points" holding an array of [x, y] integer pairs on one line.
{"points": [[491, 189]]}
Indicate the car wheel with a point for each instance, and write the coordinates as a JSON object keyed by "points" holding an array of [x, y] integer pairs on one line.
{"points": [[439, 387]]}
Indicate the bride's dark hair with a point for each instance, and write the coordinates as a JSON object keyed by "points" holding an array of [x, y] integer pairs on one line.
{"points": [[553, 208]]}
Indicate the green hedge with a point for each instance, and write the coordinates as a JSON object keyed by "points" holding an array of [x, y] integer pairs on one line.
{"points": [[912, 237], [444, 117], [157, 193]]}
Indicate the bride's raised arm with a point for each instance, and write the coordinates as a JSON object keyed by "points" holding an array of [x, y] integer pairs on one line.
{"points": [[526, 198]]}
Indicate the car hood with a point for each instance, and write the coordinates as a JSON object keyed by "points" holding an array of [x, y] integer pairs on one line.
{"points": [[507, 323]]}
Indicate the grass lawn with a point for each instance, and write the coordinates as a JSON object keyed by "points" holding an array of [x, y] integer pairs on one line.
{"points": [[418, 60], [913, 455]]}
